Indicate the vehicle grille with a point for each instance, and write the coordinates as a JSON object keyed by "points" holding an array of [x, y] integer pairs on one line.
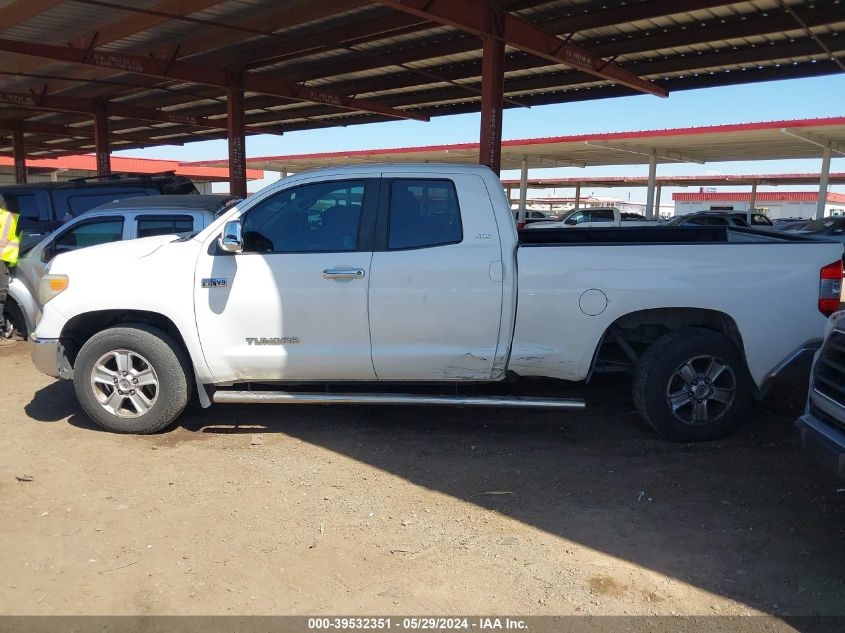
{"points": [[829, 372]]}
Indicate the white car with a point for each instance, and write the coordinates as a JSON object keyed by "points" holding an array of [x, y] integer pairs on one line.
{"points": [[596, 217], [344, 284], [125, 219]]}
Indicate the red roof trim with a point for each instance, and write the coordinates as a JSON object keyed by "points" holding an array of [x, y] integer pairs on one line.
{"points": [[621, 179], [88, 162], [765, 196], [642, 134]]}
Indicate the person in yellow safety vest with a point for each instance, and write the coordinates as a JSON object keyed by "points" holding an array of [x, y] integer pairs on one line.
{"points": [[10, 242]]}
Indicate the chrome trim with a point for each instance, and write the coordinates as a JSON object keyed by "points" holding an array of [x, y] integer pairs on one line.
{"points": [[810, 347], [826, 442], [343, 273], [232, 240], [46, 354], [286, 397]]}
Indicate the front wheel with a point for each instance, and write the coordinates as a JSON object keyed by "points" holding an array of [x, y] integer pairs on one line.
{"points": [[692, 385], [132, 379]]}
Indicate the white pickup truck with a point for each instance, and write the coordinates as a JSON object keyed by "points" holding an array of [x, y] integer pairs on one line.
{"points": [[595, 216], [367, 280]]}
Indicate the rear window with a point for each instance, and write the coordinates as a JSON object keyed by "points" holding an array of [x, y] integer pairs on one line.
{"points": [[33, 205], [149, 225], [77, 201], [423, 213], [705, 220]]}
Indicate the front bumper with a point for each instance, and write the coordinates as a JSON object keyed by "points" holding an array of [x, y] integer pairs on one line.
{"points": [[48, 355], [822, 440]]}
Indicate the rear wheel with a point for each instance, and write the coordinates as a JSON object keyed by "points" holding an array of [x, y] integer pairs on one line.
{"points": [[692, 385], [132, 379]]}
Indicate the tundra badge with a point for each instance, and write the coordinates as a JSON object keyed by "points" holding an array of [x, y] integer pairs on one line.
{"points": [[215, 282], [274, 340]]}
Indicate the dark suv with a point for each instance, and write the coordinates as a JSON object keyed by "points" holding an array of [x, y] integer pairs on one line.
{"points": [[45, 205]]}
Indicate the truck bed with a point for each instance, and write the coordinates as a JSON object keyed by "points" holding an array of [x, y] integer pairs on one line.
{"points": [[652, 235]]}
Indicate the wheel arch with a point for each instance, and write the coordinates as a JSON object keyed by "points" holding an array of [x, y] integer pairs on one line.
{"points": [[638, 329], [83, 326]]}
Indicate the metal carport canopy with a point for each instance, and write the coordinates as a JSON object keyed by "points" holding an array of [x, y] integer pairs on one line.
{"points": [[789, 139], [81, 75], [731, 180]]}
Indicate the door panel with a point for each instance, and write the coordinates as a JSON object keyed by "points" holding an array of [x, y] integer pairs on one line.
{"points": [[435, 310], [271, 312]]}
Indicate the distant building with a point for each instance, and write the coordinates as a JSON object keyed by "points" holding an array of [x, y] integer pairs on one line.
{"points": [[787, 204]]}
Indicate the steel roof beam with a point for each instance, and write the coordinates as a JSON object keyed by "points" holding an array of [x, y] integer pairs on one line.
{"points": [[644, 150], [811, 34], [518, 33], [49, 129], [345, 35], [81, 105], [119, 29], [814, 139], [201, 74], [22, 10]]}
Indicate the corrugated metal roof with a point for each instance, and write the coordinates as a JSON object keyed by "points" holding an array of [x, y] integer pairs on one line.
{"points": [[356, 48], [714, 143], [761, 196]]}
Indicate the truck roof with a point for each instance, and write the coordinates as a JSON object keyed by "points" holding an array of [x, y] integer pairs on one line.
{"points": [[439, 168]]}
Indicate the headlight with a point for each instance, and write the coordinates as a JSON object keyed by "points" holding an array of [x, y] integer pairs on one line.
{"points": [[51, 286]]}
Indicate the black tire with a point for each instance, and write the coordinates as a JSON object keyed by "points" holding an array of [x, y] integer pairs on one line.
{"points": [[14, 315], [663, 370], [160, 352]]}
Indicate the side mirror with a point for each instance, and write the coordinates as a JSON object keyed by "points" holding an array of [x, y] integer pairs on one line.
{"points": [[231, 241], [570, 221]]}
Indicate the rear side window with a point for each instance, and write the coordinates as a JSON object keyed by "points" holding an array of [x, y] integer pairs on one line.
{"points": [[602, 215], [149, 225], [423, 213], [705, 220]]}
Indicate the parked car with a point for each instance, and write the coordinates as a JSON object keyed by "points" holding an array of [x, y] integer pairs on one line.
{"points": [[829, 228], [45, 205], [395, 276], [536, 216], [821, 430], [597, 216], [790, 224], [721, 218], [125, 219]]}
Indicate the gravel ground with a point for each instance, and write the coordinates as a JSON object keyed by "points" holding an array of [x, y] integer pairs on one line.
{"points": [[379, 510]]}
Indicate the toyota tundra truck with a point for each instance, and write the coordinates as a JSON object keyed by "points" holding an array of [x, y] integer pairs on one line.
{"points": [[402, 284]]}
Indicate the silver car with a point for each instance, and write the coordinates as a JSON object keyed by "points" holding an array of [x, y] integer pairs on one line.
{"points": [[125, 219]]}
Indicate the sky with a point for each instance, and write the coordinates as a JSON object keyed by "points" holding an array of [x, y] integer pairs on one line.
{"points": [[776, 100]]}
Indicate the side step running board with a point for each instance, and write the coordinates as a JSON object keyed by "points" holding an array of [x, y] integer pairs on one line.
{"points": [[287, 397]]}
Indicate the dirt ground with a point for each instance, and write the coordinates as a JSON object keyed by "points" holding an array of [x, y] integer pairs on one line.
{"points": [[377, 510]]}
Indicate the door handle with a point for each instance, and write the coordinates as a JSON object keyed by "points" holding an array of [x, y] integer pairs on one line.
{"points": [[343, 273]]}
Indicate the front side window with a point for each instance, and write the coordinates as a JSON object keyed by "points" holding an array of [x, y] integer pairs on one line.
{"points": [[314, 218], [149, 225], [423, 213], [89, 234]]}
